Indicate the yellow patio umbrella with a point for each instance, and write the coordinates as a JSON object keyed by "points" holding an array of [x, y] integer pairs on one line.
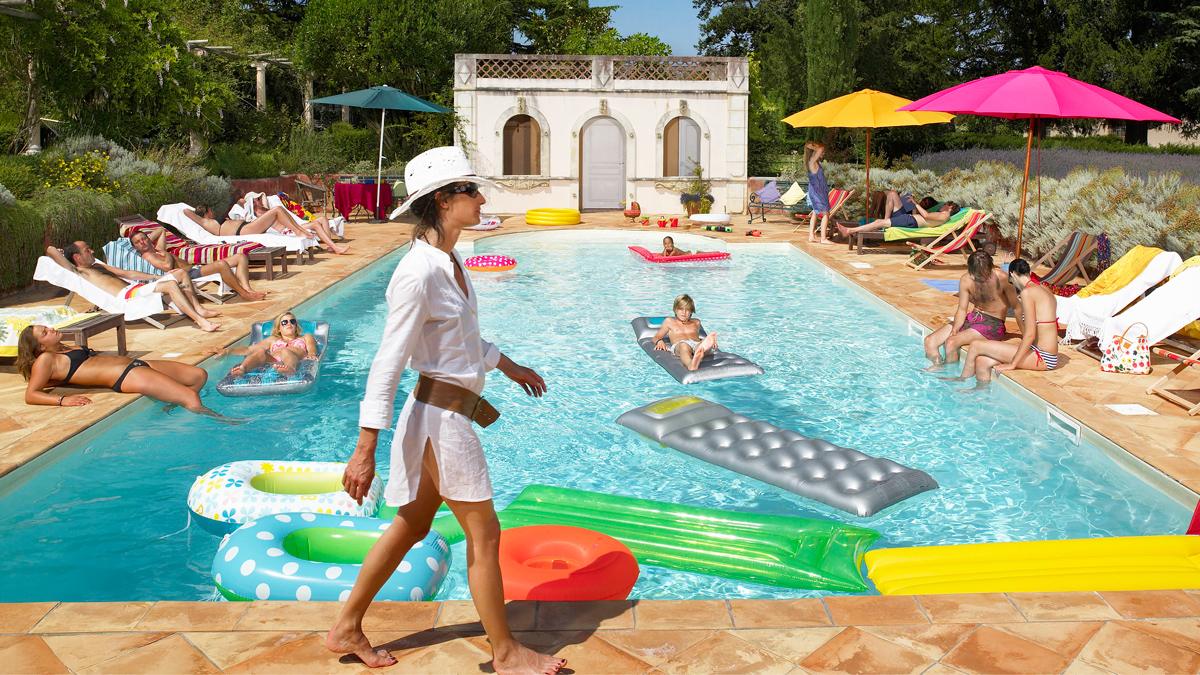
{"points": [[866, 109]]}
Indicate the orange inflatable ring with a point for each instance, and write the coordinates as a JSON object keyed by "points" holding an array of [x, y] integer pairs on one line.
{"points": [[560, 563], [490, 263]]}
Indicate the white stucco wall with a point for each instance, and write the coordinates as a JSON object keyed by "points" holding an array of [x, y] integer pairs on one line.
{"points": [[642, 107]]}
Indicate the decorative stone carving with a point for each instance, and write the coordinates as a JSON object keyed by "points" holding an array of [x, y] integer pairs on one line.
{"points": [[522, 184], [521, 108], [604, 106], [683, 107]]}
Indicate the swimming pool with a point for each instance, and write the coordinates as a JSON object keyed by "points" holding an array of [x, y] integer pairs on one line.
{"points": [[103, 516]]}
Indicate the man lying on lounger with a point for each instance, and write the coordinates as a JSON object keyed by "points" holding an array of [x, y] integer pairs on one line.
{"points": [[234, 269], [79, 258], [904, 213]]}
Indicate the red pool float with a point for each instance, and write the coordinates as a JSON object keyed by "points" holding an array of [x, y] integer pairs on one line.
{"points": [[560, 563], [490, 263]]}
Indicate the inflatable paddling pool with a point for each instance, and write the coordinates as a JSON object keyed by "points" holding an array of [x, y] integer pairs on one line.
{"points": [[810, 467], [1107, 564], [266, 379], [702, 256], [564, 564], [309, 556], [714, 366], [785, 551], [552, 217]]}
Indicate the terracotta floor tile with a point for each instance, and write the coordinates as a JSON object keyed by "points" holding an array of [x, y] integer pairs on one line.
{"points": [[585, 615], [585, 651], [460, 616], [655, 647], [1181, 632], [722, 652], [778, 613], [19, 617], [988, 650], [21, 654], [681, 614], [84, 650], [1065, 638], [969, 608], [400, 616], [169, 655], [227, 649], [1152, 604], [92, 617], [194, 616], [856, 651], [793, 644], [440, 652], [931, 641], [874, 610], [1121, 649], [1081, 667], [304, 655], [1063, 606], [288, 616]]}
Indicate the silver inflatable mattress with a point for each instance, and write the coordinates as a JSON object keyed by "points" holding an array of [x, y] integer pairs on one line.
{"points": [[716, 364]]}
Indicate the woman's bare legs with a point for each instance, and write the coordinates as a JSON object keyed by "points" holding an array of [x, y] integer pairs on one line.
{"points": [[254, 358], [983, 355], [288, 361], [935, 340], [321, 227], [189, 376], [410, 526], [177, 296], [275, 217], [812, 228], [160, 386]]}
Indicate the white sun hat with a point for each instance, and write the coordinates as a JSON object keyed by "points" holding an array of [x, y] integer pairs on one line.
{"points": [[437, 168]]}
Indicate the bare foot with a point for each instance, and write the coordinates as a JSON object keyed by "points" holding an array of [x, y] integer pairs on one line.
{"points": [[957, 378], [354, 642], [340, 250], [254, 295], [707, 344], [207, 326], [825, 241], [524, 661], [843, 229], [284, 368], [936, 367], [237, 371], [206, 313]]}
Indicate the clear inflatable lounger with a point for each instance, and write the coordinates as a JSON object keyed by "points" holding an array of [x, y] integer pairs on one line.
{"points": [[266, 380], [716, 364], [810, 467]]}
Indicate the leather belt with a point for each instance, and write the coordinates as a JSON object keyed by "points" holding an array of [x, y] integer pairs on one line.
{"points": [[454, 398]]}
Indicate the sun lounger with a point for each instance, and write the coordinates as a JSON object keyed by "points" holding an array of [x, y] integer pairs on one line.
{"points": [[928, 254], [919, 235], [120, 253], [837, 199], [198, 254], [143, 307], [775, 195], [1070, 253], [1189, 399], [13, 320], [172, 214], [336, 223], [1164, 311], [1085, 315]]}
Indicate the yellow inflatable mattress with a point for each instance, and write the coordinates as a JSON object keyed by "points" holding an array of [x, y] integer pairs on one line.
{"points": [[1110, 564]]}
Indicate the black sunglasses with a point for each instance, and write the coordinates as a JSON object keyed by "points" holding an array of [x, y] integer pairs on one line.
{"points": [[284, 322], [469, 189]]}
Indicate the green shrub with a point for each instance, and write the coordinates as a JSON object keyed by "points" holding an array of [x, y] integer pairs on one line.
{"points": [[6, 197], [312, 153], [353, 144], [23, 233], [242, 160], [151, 190], [18, 175], [87, 171], [198, 187]]}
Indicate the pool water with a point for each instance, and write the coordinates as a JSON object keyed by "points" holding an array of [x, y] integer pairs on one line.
{"points": [[104, 516]]}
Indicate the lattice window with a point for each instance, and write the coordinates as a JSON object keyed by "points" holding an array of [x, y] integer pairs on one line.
{"points": [[668, 68], [535, 69]]}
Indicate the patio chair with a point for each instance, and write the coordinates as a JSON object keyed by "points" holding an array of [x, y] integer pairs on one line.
{"points": [[1070, 252], [1085, 314], [198, 254], [1165, 311], [959, 239], [312, 196], [837, 199], [142, 307], [120, 253], [1189, 399], [921, 235], [172, 214]]}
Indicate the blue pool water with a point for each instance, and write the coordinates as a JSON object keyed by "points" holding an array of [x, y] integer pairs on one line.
{"points": [[104, 518]]}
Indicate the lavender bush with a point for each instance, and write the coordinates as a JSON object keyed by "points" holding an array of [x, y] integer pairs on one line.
{"points": [[1058, 162]]}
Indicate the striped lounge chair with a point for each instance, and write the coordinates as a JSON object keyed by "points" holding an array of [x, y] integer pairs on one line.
{"points": [[959, 240], [1070, 252], [837, 199], [200, 254], [120, 253]]}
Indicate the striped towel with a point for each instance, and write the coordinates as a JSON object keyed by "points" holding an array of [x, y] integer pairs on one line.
{"points": [[187, 251], [120, 253]]}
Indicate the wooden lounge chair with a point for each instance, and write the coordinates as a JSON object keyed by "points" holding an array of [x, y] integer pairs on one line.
{"points": [[1189, 399], [1070, 252], [837, 199], [958, 240], [120, 253], [312, 196]]}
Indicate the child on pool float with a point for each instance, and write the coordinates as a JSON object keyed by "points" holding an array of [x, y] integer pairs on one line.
{"points": [[669, 250], [684, 334], [286, 346]]}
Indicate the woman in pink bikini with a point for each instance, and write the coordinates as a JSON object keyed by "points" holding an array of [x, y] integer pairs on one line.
{"points": [[984, 298], [287, 345]]}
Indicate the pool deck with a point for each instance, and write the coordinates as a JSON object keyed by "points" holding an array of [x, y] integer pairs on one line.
{"points": [[1156, 631]]}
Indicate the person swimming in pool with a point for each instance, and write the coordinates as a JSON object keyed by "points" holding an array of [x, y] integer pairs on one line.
{"points": [[984, 298], [669, 250], [684, 333], [284, 349]]}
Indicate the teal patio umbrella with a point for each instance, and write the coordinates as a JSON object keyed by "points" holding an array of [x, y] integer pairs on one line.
{"points": [[383, 98]]}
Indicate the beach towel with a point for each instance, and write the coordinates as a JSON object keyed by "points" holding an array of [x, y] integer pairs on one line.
{"points": [[13, 320], [1121, 272], [1192, 330], [902, 233], [172, 214], [1085, 316], [793, 196], [138, 307], [1170, 308], [945, 285]]}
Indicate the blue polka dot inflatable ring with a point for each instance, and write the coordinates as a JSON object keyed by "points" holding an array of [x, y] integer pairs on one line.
{"points": [[237, 492], [311, 556]]}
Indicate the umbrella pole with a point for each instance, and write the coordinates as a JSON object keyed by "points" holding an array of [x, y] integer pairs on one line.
{"points": [[867, 199], [379, 169], [1024, 188]]}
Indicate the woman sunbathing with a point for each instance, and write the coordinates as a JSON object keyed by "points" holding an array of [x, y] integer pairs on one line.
{"points": [[44, 361], [904, 213], [285, 348], [278, 220]]}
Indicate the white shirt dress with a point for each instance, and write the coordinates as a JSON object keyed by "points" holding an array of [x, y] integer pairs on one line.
{"points": [[432, 324]]}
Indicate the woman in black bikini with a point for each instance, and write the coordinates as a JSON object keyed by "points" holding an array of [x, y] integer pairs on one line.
{"points": [[44, 361]]}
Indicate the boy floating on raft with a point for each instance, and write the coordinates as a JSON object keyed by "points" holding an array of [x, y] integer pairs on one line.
{"points": [[669, 249], [684, 333]]}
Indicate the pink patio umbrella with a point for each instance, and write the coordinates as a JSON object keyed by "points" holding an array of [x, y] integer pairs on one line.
{"points": [[1031, 94]]}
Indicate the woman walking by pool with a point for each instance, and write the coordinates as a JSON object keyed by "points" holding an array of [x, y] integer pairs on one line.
{"points": [[984, 298], [1038, 349], [436, 456]]}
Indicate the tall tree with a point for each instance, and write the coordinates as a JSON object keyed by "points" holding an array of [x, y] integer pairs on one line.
{"points": [[546, 25], [831, 47], [610, 42]]}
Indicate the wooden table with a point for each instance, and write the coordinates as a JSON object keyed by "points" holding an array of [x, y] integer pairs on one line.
{"points": [[267, 255], [80, 332]]}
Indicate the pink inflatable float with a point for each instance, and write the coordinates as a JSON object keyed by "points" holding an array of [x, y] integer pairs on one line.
{"points": [[490, 263], [650, 256]]}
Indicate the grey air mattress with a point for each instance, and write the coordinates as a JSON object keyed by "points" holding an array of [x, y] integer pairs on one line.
{"points": [[810, 467], [715, 365], [265, 380]]}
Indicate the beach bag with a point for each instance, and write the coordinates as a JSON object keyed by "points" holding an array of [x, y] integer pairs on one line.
{"points": [[1130, 355]]}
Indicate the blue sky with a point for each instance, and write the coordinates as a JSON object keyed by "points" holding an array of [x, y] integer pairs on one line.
{"points": [[672, 21]]}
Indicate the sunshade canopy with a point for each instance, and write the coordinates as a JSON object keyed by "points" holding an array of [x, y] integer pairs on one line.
{"points": [[864, 109], [382, 97]]}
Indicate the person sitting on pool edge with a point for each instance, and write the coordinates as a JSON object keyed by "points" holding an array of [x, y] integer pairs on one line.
{"points": [[669, 250], [984, 299], [44, 361], [286, 346], [684, 333]]}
